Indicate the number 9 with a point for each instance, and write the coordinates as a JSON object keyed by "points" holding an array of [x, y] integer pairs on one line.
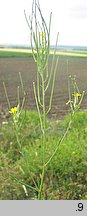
{"points": [[80, 206]]}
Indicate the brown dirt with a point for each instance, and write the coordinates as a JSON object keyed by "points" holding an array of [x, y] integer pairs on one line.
{"points": [[9, 73]]}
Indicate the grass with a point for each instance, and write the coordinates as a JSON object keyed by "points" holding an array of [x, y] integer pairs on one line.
{"points": [[13, 52], [65, 175]]}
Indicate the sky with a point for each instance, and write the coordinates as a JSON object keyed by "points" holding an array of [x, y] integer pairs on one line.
{"points": [[69, 18]]}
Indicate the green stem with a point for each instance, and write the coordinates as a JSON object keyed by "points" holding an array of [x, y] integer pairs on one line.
{"points": [[18, 140], [5, 90], [61, 140], [36, 99], [44, 120], [41, 185], [52, 90], [44, 140]]}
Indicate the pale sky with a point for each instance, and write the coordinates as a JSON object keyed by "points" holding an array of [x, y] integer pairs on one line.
{"points": [[69, 18]]}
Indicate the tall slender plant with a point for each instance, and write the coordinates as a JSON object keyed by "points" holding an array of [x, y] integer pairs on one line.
{"points": [[40, 44]]}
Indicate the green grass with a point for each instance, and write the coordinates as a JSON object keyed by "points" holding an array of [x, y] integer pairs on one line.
{"points": [[23, 53], [79, 51], [5, 54], [66, 175]]}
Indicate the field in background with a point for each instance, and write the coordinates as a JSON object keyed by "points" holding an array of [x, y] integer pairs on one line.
{"points": [[9, 73], [14, 52]]}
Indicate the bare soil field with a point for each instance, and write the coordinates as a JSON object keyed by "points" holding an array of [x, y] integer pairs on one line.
{"points": [[9, 73]]}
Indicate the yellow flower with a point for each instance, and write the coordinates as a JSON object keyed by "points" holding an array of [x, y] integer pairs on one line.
{"points": [[42, 34], [76, 98], [13, 110], [76, 95]]}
